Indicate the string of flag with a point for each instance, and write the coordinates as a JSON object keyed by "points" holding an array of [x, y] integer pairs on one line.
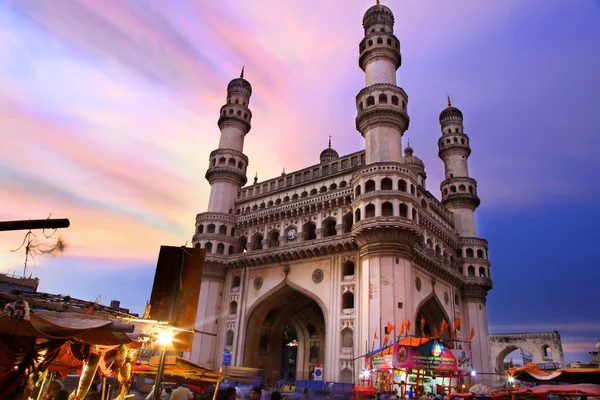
{"points": [[406, 325]]}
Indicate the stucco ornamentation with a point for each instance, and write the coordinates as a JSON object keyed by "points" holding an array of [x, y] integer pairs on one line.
{"points": [[317, 275], [258, 282]]}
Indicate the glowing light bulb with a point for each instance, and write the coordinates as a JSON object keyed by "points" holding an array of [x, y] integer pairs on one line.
{"points": [[165, 337]]}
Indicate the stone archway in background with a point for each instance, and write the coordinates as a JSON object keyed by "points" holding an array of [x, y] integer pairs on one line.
{"points": [[264, 345], [545, 347]]}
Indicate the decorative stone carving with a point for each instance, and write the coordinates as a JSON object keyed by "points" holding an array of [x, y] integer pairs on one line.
{"points": [[418, 283], [317, 275], [446, 298], [258, 282]]}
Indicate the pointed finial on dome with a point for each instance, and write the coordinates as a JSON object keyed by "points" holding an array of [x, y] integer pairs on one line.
{"points": [[329, 141], [377, 2], [408, 140], [242, 73], [449, 104]]}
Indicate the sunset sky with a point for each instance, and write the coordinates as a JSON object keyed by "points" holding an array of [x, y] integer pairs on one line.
{"points": [[108, 113]]}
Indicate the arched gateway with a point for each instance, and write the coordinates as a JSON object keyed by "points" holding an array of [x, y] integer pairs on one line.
{"points": [[285, 334]]}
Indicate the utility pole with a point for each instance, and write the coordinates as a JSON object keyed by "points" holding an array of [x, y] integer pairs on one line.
{"points": [[29, 224]]}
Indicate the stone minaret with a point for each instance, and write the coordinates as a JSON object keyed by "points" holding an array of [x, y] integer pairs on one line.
{"points": [[459, 195], [382, 118], [227, 170], [459, 191], [215, 228], [385, 203]]}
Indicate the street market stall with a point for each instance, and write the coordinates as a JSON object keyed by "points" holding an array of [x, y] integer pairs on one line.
{"points": [[418, 364]]}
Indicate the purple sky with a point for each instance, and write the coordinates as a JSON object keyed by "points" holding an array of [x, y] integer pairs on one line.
{"points": [[108, 113]]}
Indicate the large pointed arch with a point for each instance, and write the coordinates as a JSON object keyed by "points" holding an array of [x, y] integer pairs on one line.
{"points": [[432, 310], [279, 286], [286, 304]]}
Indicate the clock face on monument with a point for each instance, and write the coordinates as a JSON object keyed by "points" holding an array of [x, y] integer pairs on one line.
{"points": [[291, 235]]}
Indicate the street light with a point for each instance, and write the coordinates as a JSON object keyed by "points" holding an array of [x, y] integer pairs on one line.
{"points": [[164, 339]]}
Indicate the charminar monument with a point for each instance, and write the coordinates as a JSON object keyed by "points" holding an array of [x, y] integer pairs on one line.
{"points": [[341, 248]]}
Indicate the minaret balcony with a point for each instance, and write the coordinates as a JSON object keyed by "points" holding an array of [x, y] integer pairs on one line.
{"points": [[465, 261], [236, 115], [382, 114], [385, 195], [459, 189], [389, 233], [213, 237], [476, 288], [214, 217], [454, 143], [226, 172], [379, 45]]}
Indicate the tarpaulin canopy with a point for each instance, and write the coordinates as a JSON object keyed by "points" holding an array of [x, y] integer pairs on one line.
{"points": [[411, 342], [584, 389], [66, 325], [531, 372], [180, 370]]}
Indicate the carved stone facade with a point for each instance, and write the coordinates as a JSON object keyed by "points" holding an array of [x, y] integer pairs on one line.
{"points": [[545, 347], [335, 249]]}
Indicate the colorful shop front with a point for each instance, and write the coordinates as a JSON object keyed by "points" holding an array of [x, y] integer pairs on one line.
{"points": [[418, 365]]}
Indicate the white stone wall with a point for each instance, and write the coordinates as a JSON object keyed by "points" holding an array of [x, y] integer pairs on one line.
{"points": [[222, 197], [209, 307], [232, 137], [480, 345], [456, 166], [464, 222], [380, 70]]}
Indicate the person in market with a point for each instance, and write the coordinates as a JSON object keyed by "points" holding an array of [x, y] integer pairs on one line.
{"points": [[182, 393], [256, 393]]}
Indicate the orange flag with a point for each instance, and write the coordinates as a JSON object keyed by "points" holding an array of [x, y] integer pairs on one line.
{"points": [[422, 326], [385, 340], [408, 327], [456, 323], [472, 334], [452, 334], [436, 334], [375, 336], [402, 327], [443, 327], [390, 327]]}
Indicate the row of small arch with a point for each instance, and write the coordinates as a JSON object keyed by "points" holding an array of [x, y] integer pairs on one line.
{"points": [[329, 228], [470, 253], [384, 184], [383, 99], [231, 162], [483, 271], [387, 210], [211, 228], [379, 40], [461, 188], [294, 197], [238, 113], [455, 140], [236, 101]]}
